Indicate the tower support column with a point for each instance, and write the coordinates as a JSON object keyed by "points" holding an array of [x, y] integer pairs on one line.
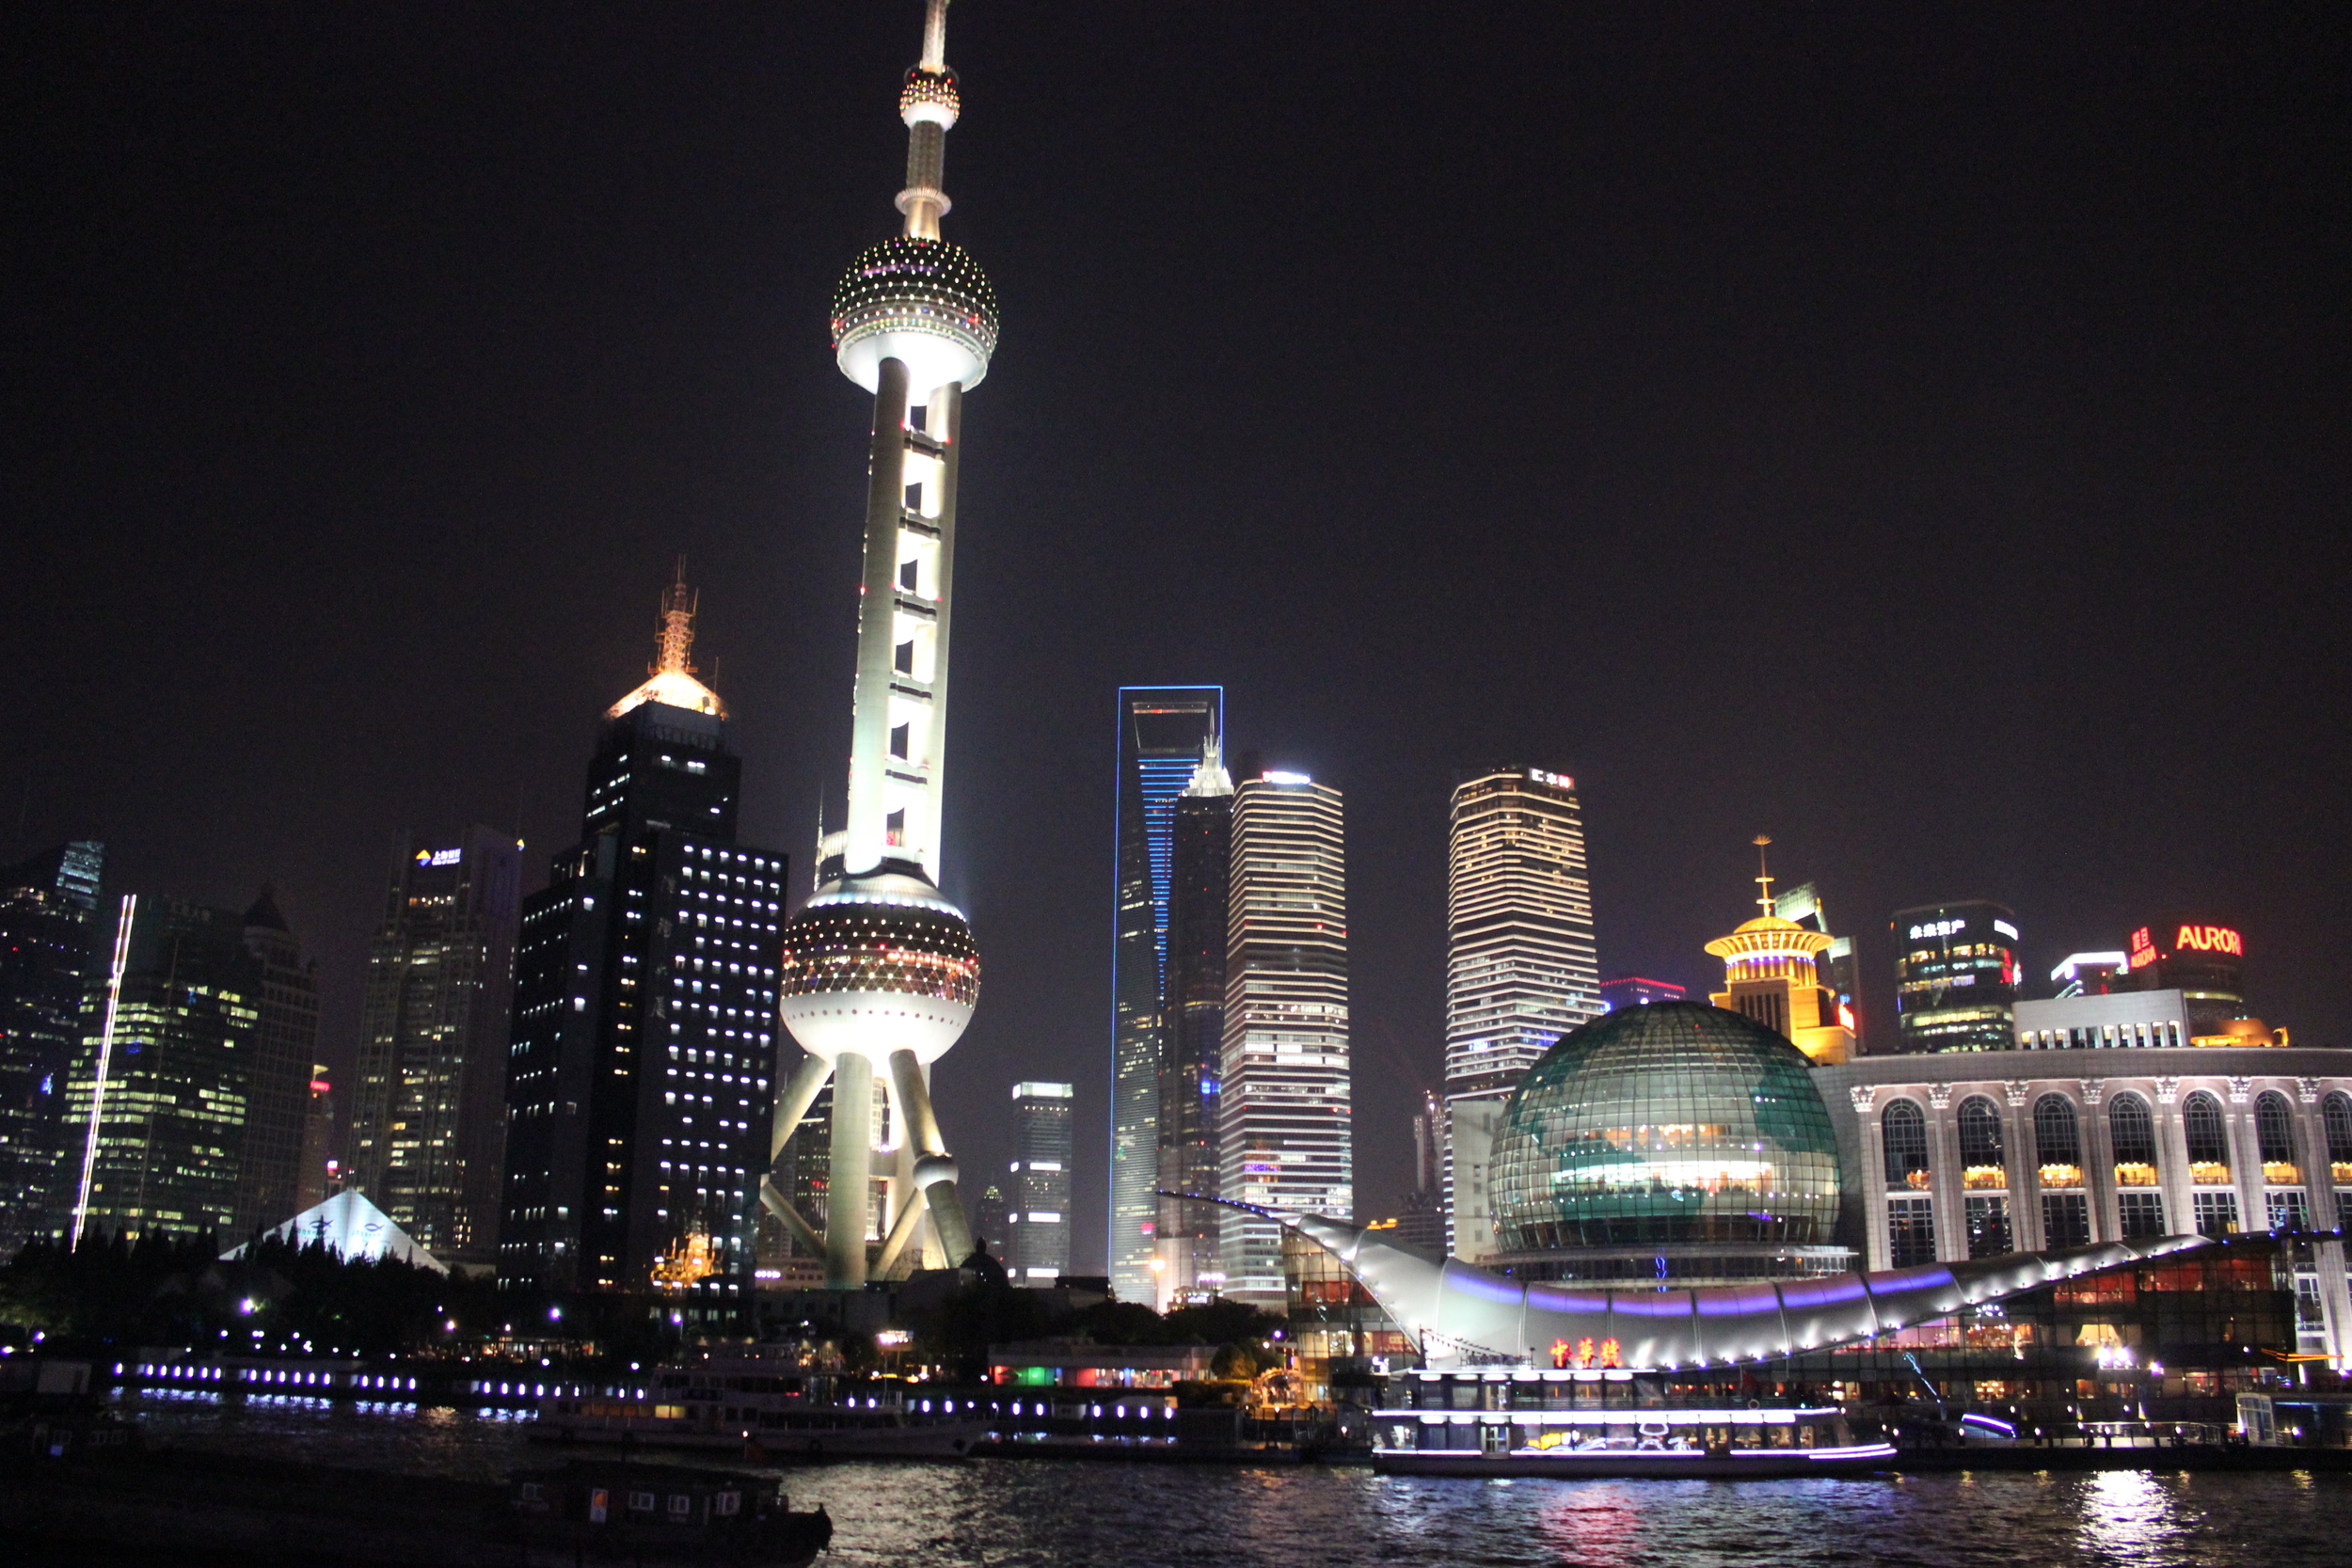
{"points": [[935, 1171], [846, 1181], [869, 724]]}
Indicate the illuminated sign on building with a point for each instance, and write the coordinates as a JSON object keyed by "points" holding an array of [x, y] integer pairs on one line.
{"points": [[2006, 929], [2189, 939], [2209, 939], [1557, 781], [1938, 928], [1286, 777], [440, 857]]}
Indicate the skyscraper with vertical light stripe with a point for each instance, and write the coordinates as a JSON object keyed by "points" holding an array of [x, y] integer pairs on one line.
{"points": [[1162, 730], [1285, 1131], [1521, 969]]}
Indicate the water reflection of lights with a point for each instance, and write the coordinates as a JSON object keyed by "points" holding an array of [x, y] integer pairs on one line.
{"points": [[1594, 1526], [2130, 1516]]}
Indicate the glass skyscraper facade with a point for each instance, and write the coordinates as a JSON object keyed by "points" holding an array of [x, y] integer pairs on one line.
{"points": [[49, 927], [640, 1082], [1956, 977], [1521, 967], [1038, 1250], [1285, 1131], [427, 1118], [155, 1104], [284, 1054], [1192, 1033], [1162, 731]]}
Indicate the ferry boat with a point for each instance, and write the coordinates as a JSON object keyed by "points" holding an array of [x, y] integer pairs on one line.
{"points": [[1603, 1422], [763, 1408], [660, 1516]]}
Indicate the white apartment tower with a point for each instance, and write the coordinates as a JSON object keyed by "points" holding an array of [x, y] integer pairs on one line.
{"points": [[1285, 1118], [1520, 965]]}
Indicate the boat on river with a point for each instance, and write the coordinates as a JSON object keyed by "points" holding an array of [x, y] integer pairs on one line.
{"points": [[656, 1515], [763, 1408], [1604, 1422]]}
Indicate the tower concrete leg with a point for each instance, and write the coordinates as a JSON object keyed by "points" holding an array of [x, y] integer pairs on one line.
{"points": [[934, 1172], [794, 1095], [846, 1179]]}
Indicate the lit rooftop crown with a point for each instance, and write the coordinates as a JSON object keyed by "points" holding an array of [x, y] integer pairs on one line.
{"points": [[673, 683]]}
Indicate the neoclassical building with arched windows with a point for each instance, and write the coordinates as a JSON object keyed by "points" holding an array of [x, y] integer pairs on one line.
{"points": [[1963, 1154]]}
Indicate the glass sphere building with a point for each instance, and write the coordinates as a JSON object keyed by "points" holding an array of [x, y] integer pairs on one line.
{"points": [[1676, 1142]]}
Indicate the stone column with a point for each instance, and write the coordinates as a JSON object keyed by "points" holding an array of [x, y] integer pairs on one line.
{"points": [[2025, 1172], [1944, 1187]]}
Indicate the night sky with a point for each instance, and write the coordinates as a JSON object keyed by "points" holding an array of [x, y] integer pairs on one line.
{"points": [[1916, 432]]}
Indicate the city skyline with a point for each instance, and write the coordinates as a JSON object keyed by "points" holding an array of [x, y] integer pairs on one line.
{"points": [[1981, 373]]}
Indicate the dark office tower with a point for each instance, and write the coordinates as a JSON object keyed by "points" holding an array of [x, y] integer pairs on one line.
{"points": [[48, 931], [285, 1051], [1162, 730], [989, 1220], [1192, 1030], [318, 1175], [427, 1121], [1839, 965], [156, 1102], [641, 1081], [1956, 977], [1038, 1251]]}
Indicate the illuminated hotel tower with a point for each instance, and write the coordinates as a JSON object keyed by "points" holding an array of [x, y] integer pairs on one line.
{"points": [[1520, 965], [1285, 1121], [879, 971]]}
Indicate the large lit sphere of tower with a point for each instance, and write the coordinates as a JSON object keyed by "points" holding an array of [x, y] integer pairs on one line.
{"points": [[879, 964], [924, 302]]}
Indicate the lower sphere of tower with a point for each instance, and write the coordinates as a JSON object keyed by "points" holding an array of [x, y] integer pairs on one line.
{"points": [[875, 974]]}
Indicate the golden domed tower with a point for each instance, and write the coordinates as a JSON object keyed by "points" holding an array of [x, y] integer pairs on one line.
{"points": [[1772, 974]]}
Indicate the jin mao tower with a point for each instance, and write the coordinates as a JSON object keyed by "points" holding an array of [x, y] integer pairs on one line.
{"points": [[879, 970]]}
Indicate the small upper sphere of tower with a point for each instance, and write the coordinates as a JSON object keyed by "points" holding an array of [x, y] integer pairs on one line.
{"points": [[923, 302], [872, 973], [930, 95]]}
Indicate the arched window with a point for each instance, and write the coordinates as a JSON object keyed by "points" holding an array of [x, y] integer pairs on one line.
{"points": [[2133, 1130], [1981, 1151], [2057, 1142], [1906, 1135], [2208, 1139], [2274, 1135], [2335, 1115]]}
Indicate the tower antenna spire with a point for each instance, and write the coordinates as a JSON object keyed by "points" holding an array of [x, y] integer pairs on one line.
{"points": [[1764, 875], [929, 106], [678, 603]]}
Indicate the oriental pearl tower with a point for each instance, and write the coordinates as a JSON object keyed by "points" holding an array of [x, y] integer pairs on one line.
{"points": [[880, 971]]}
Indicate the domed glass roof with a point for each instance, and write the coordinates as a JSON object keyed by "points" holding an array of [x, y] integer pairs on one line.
{"points": [[1671, 1122]]}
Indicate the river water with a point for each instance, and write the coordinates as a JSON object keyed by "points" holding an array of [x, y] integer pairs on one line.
{"points": [[1048, 1513]]}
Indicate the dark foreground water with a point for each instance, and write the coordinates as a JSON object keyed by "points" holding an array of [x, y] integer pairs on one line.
{"points": [[1033, 1513]]}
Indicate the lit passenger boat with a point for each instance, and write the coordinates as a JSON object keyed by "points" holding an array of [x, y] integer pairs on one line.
{"points": [[1595, 1423], [762, 1409]]}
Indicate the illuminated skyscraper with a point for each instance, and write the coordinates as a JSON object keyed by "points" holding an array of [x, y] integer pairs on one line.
{"points": [[1038, 1250], [156, 1102], [877, 968], [1161, 732], [428, 1123], [1285, 1127], [1956, 977], [285, 1050], [1192, 1029], [640, 1072], [320, 1173], [1521, 969], [50, 936]]}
